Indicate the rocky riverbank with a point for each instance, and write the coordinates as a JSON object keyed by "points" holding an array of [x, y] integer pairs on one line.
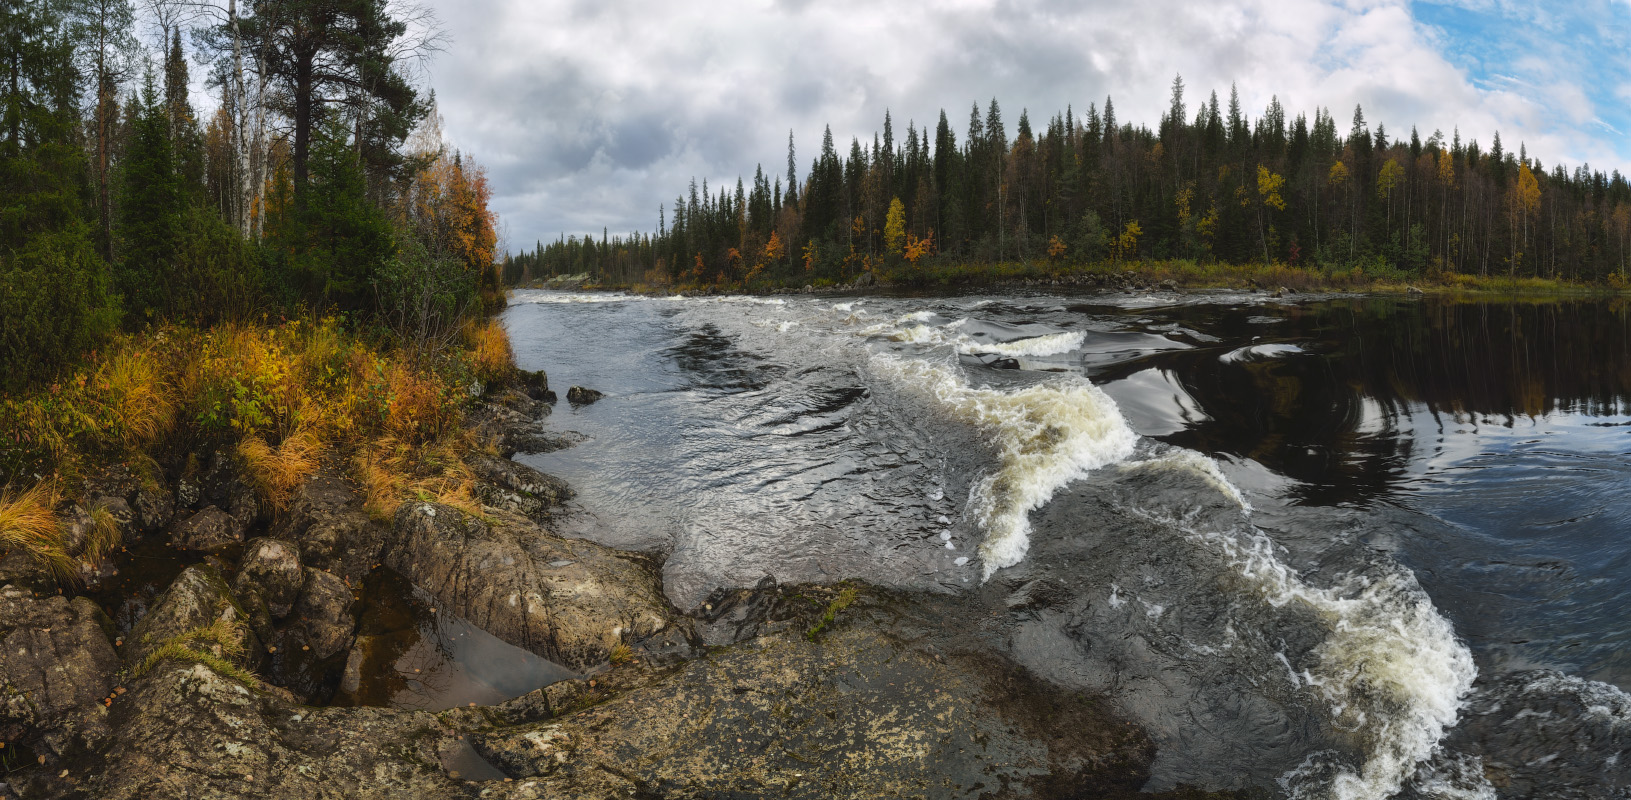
{"points": [[210, 659]]}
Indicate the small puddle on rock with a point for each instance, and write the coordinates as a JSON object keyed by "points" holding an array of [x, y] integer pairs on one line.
{"points": [[411, 654], [463, 762]]}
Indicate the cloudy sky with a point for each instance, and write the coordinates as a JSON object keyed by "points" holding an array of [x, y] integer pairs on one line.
{"points": [[591, 113]]}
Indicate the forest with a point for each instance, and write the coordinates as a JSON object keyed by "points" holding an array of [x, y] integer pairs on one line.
{"points": [[317, 183], [1208, 185]]}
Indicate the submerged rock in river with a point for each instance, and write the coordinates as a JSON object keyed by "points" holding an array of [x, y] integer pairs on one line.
{"points": [[581, 396]]}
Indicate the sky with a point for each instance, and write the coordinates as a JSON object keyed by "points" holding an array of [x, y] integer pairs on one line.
{"points": [[589, 114]]}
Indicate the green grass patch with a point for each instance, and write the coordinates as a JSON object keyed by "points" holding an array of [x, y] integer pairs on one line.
{"points": [[844, 599]]}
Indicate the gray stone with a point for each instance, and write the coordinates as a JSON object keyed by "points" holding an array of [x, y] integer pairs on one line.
{"points": [[271, 571], [513, 486], [324, 611], [498, 575], [579, 395], [187, 732], [210, 530], [860, 714], [198, 598], [326, 520], [56, 667]]}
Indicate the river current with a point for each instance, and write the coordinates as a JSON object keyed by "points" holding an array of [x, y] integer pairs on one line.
{"points": [[1329, 548]]}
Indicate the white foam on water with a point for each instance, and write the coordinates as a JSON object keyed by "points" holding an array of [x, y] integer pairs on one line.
{"points": [[1457, 777], [913, 329], [1604, 701], [1046, 435], [1037, 346], [1390, 666], [1197, 464], [1259, 352], [546, 297]]}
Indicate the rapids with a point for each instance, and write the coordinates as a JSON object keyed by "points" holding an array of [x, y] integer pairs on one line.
{"points": [[1351, 548]]}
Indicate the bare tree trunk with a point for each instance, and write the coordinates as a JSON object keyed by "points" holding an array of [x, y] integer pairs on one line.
{"points": [[238, 114]]}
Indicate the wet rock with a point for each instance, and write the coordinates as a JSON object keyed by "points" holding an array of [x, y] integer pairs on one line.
{"points": [[324, 609], [535, 442], [56, 666], [534, 385], [860, 714], [516, 487], [568, 600], [333, 533], [729, 616], [581, 396], [210, 530], [272, 574], [185, 731], [197, 599], [139, 500]]}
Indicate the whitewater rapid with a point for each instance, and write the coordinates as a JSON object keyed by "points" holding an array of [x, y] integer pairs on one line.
{"points": [[1388, 669]]}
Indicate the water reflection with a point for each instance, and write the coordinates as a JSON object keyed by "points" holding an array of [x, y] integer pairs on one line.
{"points": [[1340, 395]]}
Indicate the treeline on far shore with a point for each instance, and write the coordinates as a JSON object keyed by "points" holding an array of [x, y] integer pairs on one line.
{"points": [[1207, 186]]}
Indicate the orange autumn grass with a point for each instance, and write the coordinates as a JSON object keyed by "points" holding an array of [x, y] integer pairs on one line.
{"points": [[284, 398], [27, 523]]}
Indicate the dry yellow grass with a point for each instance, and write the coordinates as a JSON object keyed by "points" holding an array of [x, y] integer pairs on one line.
{"points": [[28, 523], [278, 471], [131, 383], [392, 472], [491, 356], [105, 536]]}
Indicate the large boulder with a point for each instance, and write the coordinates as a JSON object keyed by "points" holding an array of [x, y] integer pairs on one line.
{"points": [[516, 487], [568, 600], [199, 598], [580, 396], [184, 731], [56, 667], [270, 574]]}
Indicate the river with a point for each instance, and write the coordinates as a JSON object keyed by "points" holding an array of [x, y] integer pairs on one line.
{"points": [[1360, 547]]}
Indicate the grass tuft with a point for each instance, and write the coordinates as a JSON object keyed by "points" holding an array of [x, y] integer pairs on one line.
{"points": [[105, 536], [199, 645], [278, 471], [28, 523]]}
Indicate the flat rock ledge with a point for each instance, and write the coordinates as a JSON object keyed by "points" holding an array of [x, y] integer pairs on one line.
{"points": [[568, 600]]}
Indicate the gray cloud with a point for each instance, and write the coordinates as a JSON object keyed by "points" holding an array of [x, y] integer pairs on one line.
{"points": [[591, 114]]}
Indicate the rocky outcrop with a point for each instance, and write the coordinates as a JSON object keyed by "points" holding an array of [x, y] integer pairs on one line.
{"points": [[516, 487], [198, 598], [333, 533], [581, 396], [568, 600], [185, 731], [861, 713], [509, 420], [56, 669]]}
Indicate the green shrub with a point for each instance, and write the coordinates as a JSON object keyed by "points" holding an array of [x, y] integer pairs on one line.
{"points": [[54, 305]]}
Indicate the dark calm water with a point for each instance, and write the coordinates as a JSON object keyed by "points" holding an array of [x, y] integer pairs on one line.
{"points": [[1356, 548]]}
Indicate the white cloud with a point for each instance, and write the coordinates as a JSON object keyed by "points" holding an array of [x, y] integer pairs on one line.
{"points": [[593, 113]]}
